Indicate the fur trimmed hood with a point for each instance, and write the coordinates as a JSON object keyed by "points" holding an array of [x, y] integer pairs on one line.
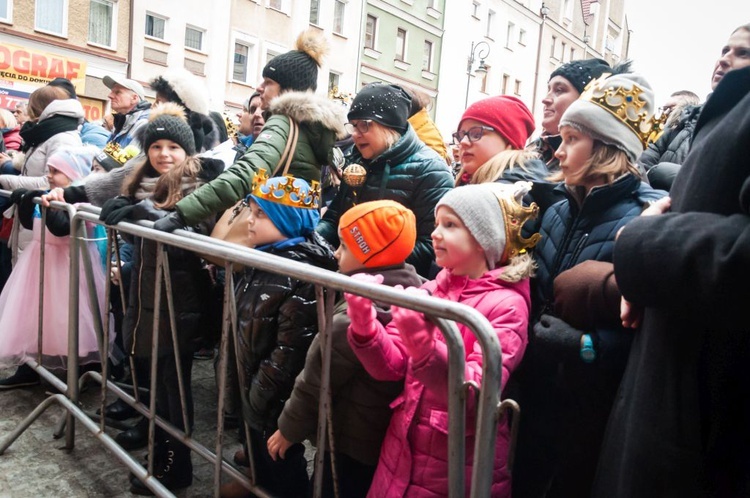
{"points": [[308, 107], [189, 89]]}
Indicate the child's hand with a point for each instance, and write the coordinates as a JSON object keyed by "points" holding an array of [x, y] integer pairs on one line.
{"points": [[360, 309], [56, 194], [630, 314], [417, 333], [277, 445]]}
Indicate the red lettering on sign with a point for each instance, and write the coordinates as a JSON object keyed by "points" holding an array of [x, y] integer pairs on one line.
{"points": [[38, 66], [4, 57], [21, 61], [73, 68], [56, 69]]}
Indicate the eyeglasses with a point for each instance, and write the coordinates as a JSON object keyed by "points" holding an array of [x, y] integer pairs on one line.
{"points": [[474, 133], [362, 126]]}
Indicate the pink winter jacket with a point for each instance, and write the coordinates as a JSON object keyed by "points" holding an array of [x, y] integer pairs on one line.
{"points": [[413, 459]]}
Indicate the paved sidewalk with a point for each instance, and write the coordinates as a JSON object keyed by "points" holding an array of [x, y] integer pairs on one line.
{"points": [[35, 466]]}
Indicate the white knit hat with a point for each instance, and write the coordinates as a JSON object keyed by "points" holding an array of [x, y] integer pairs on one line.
{"points": [[617, 110]]}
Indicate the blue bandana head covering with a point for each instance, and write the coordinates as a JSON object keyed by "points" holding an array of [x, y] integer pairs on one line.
{"points": [[292, 221]]}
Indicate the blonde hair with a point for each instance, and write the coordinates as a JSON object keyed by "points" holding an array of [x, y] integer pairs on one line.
{"points": [[607, 163], [7, 119], [391, 136], [494, 168], [518, 268]]}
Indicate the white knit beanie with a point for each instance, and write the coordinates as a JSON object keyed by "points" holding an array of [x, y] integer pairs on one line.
{"points": [[481, 211], [612, 109]]}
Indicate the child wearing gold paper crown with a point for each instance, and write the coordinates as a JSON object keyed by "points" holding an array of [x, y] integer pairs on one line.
{"points": [[376, 238], [277, 321], [573, 366], [478, 244]]}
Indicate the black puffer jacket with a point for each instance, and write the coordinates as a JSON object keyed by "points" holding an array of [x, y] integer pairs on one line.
{"points": [[409, 173], [190, 284], [673, 145], [277, 321]]}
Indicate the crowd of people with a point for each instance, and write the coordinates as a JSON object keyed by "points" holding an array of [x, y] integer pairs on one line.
{"points": [[608, 261]]}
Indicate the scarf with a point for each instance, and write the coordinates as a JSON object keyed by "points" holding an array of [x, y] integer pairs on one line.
{"points": [[37, 133]]}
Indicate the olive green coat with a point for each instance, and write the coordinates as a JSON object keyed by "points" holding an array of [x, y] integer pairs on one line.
{"points": [[321, 123]]}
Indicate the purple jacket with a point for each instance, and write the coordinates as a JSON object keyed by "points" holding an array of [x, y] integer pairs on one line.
{"points": [[414, 456]]}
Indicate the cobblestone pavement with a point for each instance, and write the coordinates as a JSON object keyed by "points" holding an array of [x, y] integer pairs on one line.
{"points": [[37, 466]]}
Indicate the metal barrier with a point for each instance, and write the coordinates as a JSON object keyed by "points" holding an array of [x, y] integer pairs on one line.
{"points": [[443, 312]]}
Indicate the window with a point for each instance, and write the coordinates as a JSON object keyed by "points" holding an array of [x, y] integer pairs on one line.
{"points": [[194, 38], [432, 4], [475, 9], [562, 50], [490, 23], [339, 13], [333, 82], [427, 56], [155, 26], [572, 53], [314, 11], [275, 4], [568, 9], [101, 22], [6, 7], [509, 35], [506, 78], [401, 44], [517, 89], [553, 47], [51, 16], [371, 27], [241, 53], [609, 44], [522, 37], [483, 86]]}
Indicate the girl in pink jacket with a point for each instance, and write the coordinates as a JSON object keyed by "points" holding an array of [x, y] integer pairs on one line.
{"points": [[485, 265]]}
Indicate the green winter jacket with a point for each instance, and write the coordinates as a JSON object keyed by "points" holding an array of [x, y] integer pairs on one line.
{"points": [[320, 125]]}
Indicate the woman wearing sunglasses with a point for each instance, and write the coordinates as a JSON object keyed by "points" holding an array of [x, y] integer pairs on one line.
{"points": [[389, 162]]}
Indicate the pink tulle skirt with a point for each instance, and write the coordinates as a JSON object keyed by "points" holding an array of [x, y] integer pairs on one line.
{"points": [[19, 305]]}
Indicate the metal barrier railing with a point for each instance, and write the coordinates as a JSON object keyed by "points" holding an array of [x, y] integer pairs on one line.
{"points": [[444, 313]]}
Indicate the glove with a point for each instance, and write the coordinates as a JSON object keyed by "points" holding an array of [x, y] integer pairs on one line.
{"points": [[556, 340], [15, 196], [170, 223], [26, 207], [417, 333], [360, 310], [114, 204]]}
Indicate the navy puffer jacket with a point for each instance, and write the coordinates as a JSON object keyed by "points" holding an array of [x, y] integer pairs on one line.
{"points": [[409, 173]]}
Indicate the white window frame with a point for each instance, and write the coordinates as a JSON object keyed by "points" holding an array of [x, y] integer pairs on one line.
{"points": [[374, 32], [339, 4], [316, 22], [431, 58], [404, 50], [283, 7], [202, 31], [113, 33], [252, 58], [8, 17], [522, 37], [156, 16], [475, 9], [64, 21], [491, 15], [336, 76], [509, 35]]}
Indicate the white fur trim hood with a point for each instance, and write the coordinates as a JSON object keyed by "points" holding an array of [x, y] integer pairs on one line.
{"points": [[308, 107]]}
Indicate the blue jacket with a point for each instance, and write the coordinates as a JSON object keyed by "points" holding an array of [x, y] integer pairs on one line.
{"points": [[409, 173], [573, 233]]}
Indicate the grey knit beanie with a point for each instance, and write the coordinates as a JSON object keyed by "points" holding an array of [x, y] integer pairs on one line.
{"points": [[617, 110], [481, 211]]}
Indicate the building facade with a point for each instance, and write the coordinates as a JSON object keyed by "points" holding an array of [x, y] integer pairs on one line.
{"points": [[82, 40]]}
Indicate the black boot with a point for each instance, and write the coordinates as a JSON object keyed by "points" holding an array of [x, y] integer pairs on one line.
{"points": [[119, 410], [25, 376], [135, 437], [173, 469]]}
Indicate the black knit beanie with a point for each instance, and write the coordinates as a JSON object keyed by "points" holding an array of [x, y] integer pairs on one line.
{"points": [[581, 72], [298, 68], [66, 85], [167, 121], [386, 104]]}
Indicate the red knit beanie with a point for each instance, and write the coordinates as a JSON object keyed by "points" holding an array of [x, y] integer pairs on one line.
{"points": [[507, 115], [379, 233]]}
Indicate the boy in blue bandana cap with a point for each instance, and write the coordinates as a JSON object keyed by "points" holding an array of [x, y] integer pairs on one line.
{"points": [[277, 321]]}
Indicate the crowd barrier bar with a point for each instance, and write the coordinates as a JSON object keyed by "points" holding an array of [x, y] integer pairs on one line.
{"points": [[488, 410]]}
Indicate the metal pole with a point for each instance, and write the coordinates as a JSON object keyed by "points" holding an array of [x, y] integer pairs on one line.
{"points": [[538, 60], [468, 75]]}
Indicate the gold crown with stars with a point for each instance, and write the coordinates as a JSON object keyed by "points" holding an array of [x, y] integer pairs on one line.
{"points": [[625, 104], [286, 190], [515, 215]]}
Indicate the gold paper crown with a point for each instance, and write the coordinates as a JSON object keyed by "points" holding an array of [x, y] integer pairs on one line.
{"points": [[286, 190], [230, 126], [625, 104], [113, 150], [515, 215]]}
